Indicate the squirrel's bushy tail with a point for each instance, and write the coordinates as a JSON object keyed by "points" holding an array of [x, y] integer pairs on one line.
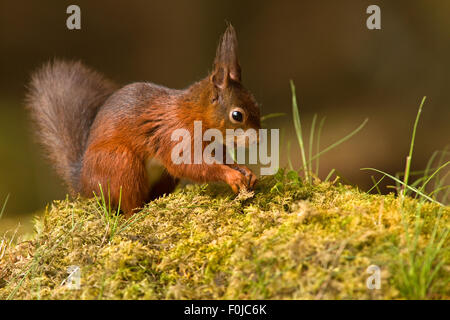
{"points": [[63, 99]]}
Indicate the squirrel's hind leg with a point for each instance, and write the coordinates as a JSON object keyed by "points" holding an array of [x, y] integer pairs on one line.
{"points": [[116, 170]]}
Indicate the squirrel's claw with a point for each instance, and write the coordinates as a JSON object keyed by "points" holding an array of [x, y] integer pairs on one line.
{"points": [[244, 179]]}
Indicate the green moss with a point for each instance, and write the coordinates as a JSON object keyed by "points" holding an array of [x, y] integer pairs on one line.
{"points": [[284, 241]]}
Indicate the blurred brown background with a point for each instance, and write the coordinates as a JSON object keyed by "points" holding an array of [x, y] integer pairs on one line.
{"points": [[340, 68]]}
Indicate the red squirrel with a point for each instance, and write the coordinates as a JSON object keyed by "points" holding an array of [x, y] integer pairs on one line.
{"points": [[96, 133]]}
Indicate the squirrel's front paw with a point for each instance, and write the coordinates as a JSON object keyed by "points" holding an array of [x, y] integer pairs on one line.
{"points": [[240, 177]]}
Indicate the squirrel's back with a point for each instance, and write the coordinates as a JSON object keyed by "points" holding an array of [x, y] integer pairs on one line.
{"points": [[64, 99]]}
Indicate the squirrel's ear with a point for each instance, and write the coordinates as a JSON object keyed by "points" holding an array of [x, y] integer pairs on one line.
{"points": [[226, 63]]}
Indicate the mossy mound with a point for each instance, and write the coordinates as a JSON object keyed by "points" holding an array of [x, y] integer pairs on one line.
{"points": [[285, 241]]}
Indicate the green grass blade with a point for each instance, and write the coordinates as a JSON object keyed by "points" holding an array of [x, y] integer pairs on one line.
{"points": [[411, 147], [319, 133], [438, 182], [272, 115], [403, 184], [330, 174], [340, 141], [422, 188], [4, 206], [438, 190], [429, 164], [298, 130], [311, 138], [376, 184]]}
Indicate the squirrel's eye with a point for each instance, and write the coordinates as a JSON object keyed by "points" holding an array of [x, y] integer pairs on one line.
{"points": [[237, 116]]}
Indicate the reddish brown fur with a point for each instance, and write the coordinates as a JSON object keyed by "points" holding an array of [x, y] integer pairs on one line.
{"points": [[135, 123]]}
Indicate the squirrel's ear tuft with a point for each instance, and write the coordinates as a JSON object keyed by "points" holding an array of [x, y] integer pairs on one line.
{"points": [[226, 63]]}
